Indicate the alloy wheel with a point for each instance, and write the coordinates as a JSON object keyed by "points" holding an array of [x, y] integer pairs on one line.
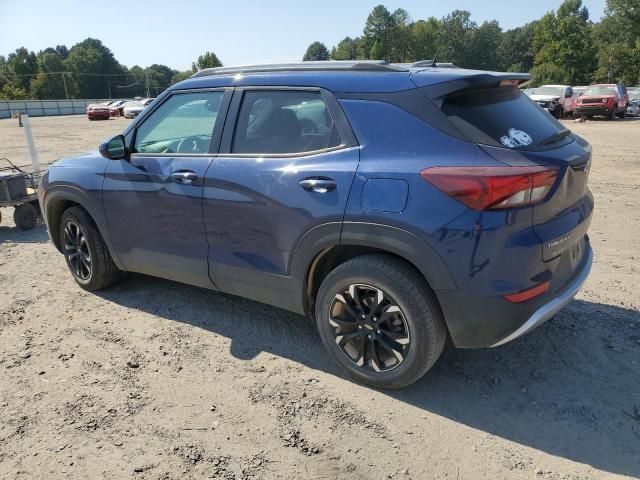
{"points": [[369, 327], [76, 251]]}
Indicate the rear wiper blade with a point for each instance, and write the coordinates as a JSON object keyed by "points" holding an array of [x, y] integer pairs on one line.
{"points": [[556, 137]]}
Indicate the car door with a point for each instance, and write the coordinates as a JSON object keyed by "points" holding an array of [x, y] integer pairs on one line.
{"points": [[286, 165], [153, 200]]}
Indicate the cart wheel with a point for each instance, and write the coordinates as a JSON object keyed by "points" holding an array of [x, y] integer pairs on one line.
{"points": [[25, 216]]}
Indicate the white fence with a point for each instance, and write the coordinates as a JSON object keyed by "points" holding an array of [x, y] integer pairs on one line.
{"points": [[39, 108]]}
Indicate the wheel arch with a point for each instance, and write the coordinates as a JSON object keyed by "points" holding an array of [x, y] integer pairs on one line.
{"points": [[327, 246], [58, 200]]}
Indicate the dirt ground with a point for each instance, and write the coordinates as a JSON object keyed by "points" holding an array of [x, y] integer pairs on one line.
{"points": [[157, 380]]}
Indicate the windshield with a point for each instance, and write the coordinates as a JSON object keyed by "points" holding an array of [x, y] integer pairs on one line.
{"points": [[551, 91], [503, 117], [600, 90]]}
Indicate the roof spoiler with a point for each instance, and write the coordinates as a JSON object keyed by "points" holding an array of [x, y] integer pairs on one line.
{"points": [[475, 82]]}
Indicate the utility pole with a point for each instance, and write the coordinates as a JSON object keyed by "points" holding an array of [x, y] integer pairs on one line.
{"points": [[146, 77], [109, 85], [66, 93]]}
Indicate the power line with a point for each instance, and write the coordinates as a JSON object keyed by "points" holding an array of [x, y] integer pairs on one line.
{"points": [[72, 73]]}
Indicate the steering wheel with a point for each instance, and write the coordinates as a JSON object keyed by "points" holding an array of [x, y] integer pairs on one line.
{"points": [[189, 145]]}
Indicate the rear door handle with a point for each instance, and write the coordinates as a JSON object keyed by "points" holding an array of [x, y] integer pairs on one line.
{"points": [[186, 177], [318, 184]]}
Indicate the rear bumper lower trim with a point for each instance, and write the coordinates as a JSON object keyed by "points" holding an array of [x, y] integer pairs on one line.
{"points": [[548, 310]]}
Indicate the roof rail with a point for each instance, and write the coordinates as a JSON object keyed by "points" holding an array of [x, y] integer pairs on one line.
{"points": [[331, 66]]}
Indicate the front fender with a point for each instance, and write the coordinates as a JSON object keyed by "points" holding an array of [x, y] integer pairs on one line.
{"points": [[57, 198]]}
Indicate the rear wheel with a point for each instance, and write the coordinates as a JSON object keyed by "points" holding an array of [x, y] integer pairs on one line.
{"points": [[85, 252], [25, 216], [379, 321]]}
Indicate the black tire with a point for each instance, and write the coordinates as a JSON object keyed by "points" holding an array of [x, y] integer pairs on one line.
{"points": [[402, 286], [25, 216], [101, 271]]}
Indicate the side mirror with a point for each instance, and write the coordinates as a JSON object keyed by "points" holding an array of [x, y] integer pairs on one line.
{"points": [[114, 148]]}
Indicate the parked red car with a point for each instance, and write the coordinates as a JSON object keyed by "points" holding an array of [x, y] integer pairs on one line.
{"points": [[98, 111], [606, 99]]}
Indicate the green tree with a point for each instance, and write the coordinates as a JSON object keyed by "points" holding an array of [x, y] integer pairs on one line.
{"points": [[51, 81], [94, 69], [483, 48], [62, 50], [377, 51], [618, 39], [4, 77], [455, 36], [180, 76], [424, 38], [206, 60], [549, 73], [400, 36], [315, 52], [22, 65], [516, 50], [10, 92], [378, 32], [158, 78], [564, 39], [347, 49]]}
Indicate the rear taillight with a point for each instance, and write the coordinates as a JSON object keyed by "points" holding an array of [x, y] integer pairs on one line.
{"points": [[489, 188]]}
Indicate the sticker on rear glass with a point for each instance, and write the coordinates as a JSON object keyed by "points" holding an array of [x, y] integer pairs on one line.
{"points": [[516, 138]]}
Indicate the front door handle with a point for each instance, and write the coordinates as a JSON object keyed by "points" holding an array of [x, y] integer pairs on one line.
{"points": [[318, 184], [186, 177]]}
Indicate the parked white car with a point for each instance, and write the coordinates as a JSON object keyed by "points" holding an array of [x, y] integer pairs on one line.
{"points": [[132, 109], [557, 99]]}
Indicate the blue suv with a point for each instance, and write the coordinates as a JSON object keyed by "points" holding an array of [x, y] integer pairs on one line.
{"points": [[396, 205]]}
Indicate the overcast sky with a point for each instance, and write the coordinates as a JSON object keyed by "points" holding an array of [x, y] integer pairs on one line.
{"points": [[174, 32]]}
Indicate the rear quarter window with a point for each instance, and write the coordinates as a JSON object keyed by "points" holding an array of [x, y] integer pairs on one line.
{"points": [[502, 117]]}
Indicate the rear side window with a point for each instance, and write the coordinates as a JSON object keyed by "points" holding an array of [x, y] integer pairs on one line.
{"points": [[272, 122], [502, 117]]}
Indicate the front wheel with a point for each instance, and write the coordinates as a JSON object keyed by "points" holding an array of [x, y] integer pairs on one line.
{"points": [[85, 252], [380, 321]]}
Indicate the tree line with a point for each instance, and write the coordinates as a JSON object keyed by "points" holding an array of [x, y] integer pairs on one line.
{"points": [[564, 46], [86, 70]]}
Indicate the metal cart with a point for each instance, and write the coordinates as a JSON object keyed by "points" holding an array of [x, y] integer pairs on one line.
{"points": [[19, 189]]}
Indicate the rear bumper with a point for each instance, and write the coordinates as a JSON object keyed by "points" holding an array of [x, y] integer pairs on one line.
{"points": [[548, 310], [490, 321]]}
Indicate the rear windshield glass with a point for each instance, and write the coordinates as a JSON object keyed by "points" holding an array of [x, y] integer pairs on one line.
{"points": [[600, 91], [503, 117]]}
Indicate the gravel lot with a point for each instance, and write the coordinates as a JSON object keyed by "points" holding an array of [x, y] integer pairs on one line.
{"points": [[157, 380]]}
